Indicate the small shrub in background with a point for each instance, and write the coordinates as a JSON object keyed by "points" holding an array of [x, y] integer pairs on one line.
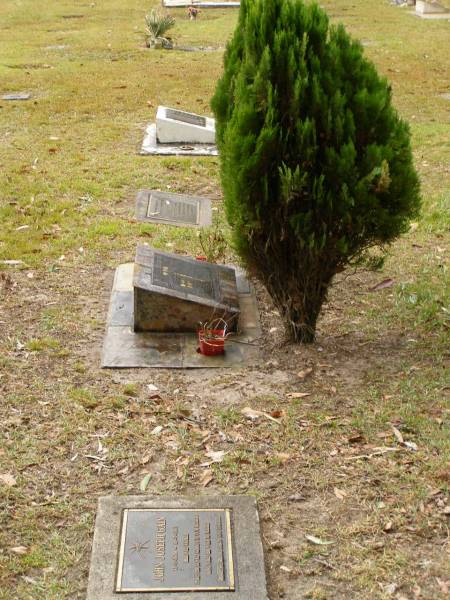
{"points": [[157, 25]]}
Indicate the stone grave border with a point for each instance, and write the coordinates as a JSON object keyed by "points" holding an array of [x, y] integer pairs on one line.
{"points": [[247, 547], [125, 348]]}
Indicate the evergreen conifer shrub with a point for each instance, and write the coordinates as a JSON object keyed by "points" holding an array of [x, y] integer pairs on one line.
{"points": [[316, 165]]}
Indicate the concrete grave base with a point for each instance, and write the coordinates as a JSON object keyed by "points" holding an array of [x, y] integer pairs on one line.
{"points": [[250, 579], [199, 48], [151, 146], [125, 348], [432, 16]]}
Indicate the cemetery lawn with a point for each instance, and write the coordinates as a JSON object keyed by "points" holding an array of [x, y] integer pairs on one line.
{"points": [[355, 453]]}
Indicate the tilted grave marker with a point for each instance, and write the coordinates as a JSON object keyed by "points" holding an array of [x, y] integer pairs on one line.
{"points": [[174, 293], [174, 126]]}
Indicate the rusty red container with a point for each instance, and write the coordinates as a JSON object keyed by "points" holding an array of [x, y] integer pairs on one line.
{"points": [[211, 342]]}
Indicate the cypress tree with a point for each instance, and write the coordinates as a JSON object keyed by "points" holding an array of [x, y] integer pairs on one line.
{"points": [[316, 165]]}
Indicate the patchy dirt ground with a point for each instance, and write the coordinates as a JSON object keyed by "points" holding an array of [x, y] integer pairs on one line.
{"points": [[331, 452]]}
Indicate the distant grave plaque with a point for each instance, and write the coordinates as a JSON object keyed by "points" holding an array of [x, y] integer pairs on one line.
{"points": [[177, 548], [175, 126], [184, 211], [173, 209], [174, 293], [17, 96]]}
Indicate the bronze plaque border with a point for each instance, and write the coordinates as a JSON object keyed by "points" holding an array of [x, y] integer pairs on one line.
{"points": [[230, 588]]}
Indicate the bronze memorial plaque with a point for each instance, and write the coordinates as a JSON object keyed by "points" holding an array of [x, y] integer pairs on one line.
{"points": [[161, 207], [185, 117], [193, 277], [175, 550]]}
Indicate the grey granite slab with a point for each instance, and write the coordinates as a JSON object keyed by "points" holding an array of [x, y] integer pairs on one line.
{"points": [[114, 544], [151, 146]]}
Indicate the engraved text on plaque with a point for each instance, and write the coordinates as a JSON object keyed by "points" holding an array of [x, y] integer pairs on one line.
{"points": [[176, 550]]}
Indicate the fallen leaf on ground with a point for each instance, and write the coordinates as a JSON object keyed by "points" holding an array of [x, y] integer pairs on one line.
{"points": [[303, 374], [315, 540], [144, 483], [283, 457], [145, 459], [251, 414], [19, 550], [254, 415], [157, 430], [411, 445], [8, 479], [216, 456], [296, 498], [386, 283], [207, 477], [285, 569], [388, 527], [391, 588], [353, 439], [276, 414], [339, 493], [444, 585], [398, 435]]}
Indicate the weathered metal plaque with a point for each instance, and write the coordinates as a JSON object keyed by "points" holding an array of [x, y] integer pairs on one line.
{"points": [[174, 550], [193, 277], [185, 117], [182, 210]]}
